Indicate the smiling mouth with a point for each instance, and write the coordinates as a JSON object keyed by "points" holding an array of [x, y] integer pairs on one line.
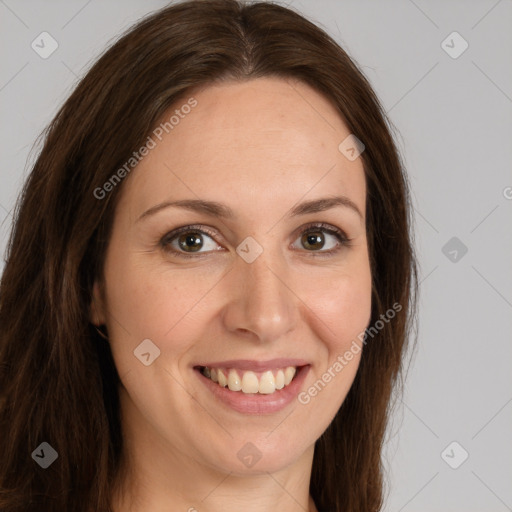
{"points": [[251, 382]]}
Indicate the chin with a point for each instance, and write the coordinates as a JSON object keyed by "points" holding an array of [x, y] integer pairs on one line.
{"points": [[262, 455]]}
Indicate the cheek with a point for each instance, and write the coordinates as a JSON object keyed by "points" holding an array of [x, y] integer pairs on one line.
{"points": [[340, 313], [145, 303], [344, 308], [343, 303]]}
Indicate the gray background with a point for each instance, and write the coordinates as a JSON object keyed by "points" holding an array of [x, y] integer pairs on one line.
{"points": [[454, 121]]}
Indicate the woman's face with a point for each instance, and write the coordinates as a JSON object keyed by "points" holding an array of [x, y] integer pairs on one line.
{"points": [[250, 285]]}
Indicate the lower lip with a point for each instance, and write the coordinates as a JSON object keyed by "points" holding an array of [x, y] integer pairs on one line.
{"points": [[256, 403]]}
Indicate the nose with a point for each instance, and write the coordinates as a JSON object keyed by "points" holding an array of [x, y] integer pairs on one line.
{"points": [[262, 304]]}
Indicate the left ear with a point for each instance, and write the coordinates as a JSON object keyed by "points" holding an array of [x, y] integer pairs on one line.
{"points": [[97, 306]]}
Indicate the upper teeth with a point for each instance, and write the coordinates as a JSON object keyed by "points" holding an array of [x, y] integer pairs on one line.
{"points": [[248, 381]]}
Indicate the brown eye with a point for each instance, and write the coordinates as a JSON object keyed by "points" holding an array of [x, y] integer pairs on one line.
{"points": [[313, 240], [321, 240], [190, 242]]}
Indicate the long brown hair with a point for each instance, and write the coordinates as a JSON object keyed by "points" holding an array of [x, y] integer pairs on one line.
{"points": [[58, 381]]}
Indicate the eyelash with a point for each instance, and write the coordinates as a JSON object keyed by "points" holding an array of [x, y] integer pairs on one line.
{"points": [[344, 241]]}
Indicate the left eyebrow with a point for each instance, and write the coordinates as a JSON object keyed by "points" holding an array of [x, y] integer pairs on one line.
{"points": [[215, 209], [326, 203]]}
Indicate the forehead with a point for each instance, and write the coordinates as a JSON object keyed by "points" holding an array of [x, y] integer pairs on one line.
{"points": [[267, 139]]}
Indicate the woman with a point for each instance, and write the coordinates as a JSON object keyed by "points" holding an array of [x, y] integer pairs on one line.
{"points": [[210, 281]]}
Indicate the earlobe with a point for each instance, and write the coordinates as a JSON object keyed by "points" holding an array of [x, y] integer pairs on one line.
{"points": [[96, 314]]}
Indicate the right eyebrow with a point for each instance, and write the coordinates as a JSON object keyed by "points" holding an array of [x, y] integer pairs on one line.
{"points": [[211, 208]]}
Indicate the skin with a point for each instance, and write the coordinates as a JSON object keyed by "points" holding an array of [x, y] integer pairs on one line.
{"points": [[260, 147]]}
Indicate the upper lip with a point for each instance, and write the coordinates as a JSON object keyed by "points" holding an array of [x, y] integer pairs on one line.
{"points": [[247, 364]]}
